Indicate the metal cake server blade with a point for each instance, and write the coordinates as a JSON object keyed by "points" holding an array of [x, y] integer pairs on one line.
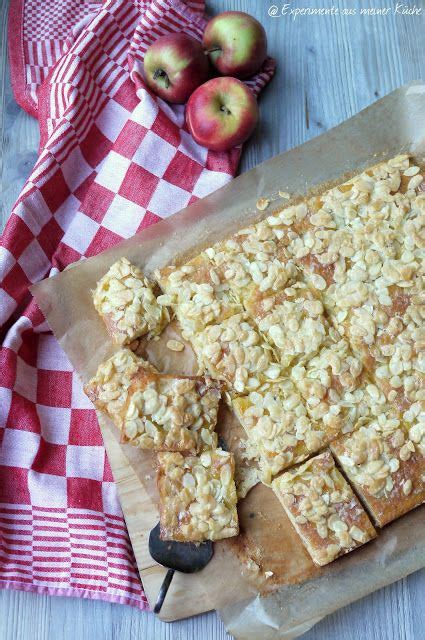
{"points": [[186, 557]]}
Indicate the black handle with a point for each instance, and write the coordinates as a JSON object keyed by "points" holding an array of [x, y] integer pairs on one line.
{"points": [[163, 590]]}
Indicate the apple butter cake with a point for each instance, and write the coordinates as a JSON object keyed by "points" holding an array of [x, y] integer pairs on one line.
{"points": [[312, 322]]}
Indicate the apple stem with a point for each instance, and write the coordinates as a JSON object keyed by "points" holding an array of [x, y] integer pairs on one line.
{"points": [[160, 73], [214, 49], [225, 110]]}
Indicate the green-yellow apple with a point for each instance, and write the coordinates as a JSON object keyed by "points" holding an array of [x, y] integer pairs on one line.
{"points": [[221, 113], [236, 44], [174, 66]]}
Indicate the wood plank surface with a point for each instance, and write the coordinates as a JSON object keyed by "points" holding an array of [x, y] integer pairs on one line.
{"points": [[329, 68]]}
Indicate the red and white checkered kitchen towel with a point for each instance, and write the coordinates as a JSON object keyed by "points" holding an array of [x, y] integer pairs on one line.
{"points": [[113, 160]]}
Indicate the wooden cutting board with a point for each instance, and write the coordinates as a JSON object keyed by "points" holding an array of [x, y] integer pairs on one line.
{"points": [[189, 594], [141, 515]]}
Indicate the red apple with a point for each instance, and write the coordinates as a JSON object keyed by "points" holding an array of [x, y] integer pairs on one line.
{"points": [[221, 113], [174, 66], [236, 43]]}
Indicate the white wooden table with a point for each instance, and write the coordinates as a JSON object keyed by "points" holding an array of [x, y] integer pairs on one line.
{"points": [[328, 69]]}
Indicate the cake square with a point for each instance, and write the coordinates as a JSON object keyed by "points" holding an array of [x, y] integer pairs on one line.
{"points": [[108, 389], [280, 432], [323, 509], [197, 496], [385, 462], [126, 302], [292, 321], [367, 220], [198, 294], [377, 200], [335, 388], [314, 242], [253, 257], [364, 231], [235, 352], [171, 413], [324, 256], [386, 331], [391, 340]]}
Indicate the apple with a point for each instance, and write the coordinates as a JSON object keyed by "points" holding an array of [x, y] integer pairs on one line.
{"points": [[221, 113], [174, 66], [236, 43]]}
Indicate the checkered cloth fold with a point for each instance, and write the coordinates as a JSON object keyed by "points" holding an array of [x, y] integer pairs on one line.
{"points": [[113, 160]]}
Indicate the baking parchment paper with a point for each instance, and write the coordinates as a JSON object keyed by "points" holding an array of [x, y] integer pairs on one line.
{"points": [[297, 594]]}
